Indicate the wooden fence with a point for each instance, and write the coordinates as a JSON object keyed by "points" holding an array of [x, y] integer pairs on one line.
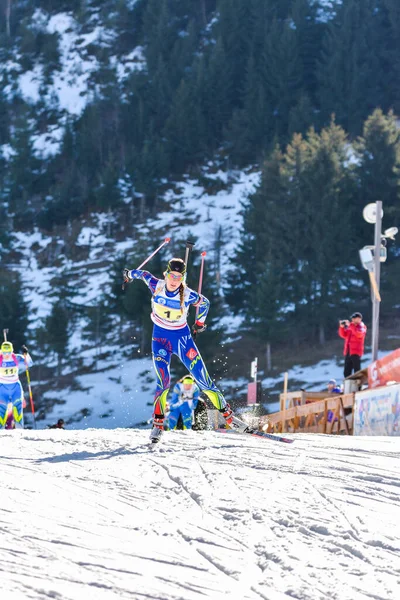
{"points": [[333, 414]]}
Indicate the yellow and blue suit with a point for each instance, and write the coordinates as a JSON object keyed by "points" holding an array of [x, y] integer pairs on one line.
{"points": [[171, 335], [11, 389], [183, 403]]}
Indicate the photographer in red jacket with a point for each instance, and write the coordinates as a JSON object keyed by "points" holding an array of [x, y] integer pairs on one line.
{"points": [[353, 334]]}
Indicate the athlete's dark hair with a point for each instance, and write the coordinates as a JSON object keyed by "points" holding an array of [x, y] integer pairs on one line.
{"points": [[176, 264], [182, 288]]}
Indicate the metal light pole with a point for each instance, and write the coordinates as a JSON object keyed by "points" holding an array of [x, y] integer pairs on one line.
{"points": [[377, 270], [371, 261]]}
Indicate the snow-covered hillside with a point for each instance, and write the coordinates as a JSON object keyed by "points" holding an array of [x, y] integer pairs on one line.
{"points": [[102, 515], [61, 59], [116, 392]]}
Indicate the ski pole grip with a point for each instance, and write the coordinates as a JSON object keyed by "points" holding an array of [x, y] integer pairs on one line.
{"points": [[189, 247]]}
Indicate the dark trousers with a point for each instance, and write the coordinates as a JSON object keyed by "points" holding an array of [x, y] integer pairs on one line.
{"points": [[352, 363]]}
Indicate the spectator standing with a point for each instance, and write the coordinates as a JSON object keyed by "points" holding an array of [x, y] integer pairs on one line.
{"points": [[353, 332]]}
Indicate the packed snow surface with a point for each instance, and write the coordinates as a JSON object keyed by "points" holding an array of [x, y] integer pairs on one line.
{"points": [[100, 514]]}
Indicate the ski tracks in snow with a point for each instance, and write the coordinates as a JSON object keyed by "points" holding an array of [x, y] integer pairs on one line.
{"points": [[103, 515]]}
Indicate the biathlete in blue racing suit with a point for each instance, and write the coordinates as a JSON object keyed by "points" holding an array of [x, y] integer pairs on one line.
{"points": [[10, 386], [171, 299], [183, 402]]}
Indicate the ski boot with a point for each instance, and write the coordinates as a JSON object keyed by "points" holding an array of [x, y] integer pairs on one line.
{"points": [[158, 428], [233, 422]]}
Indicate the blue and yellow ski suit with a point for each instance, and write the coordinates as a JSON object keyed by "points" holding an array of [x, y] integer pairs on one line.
{"points": [[11, 388], [171, 335], [182, 404]]}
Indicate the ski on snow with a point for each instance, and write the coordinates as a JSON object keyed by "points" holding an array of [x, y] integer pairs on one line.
{"points": [[259, 434], [255, 433]]}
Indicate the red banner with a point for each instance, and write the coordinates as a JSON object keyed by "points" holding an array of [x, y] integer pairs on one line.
{"points": [[384, 370], [253, 392]]}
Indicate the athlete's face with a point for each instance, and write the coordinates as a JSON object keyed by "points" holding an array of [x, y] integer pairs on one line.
{"points": [[173, 280]]}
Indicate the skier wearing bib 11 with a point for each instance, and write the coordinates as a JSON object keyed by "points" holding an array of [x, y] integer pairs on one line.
{"points": [[171, 299], [10, 386]]}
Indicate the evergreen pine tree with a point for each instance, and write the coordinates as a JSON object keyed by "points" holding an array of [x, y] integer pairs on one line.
{"points": [[249, 128], [327, 212], [234, 33], [349, 71], [378, 151], [392, 66], [13, 308], [378, 178], [293, 261], [309, 32], [57, 334], [4, 118], [159, 33], [281, 73], [216, 97], [23, 173], [378, 165], [301, 116], [183, 128]]}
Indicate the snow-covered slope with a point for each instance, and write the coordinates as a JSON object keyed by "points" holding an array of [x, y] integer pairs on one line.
{"points": [[100, 515], [113, 395]]}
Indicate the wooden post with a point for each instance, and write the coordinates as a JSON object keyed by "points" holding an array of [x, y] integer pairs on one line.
{"points": [[374, 285], [344, 417], [285, 388], [337, 412], [283, 401], [268, 356]]}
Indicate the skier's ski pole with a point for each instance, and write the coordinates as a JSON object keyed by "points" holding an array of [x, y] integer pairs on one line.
{"points": [[203, 256], [28, 377], [166, 241], [5, 331]]}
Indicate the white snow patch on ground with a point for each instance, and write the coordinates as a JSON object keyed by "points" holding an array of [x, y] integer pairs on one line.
{"points": [[72, 86], [30, 82], [87, 236], [327, 9], [48, 143], [101, 515], [72, 82], [7, 151], [127, 64], [36, 280]]}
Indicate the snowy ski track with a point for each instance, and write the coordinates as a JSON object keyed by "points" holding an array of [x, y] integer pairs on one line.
{"points": [[100, 514]]}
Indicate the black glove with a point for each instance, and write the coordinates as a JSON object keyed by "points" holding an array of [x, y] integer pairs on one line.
{"points": [[127, 275], [198, 328], [25, 350]]}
